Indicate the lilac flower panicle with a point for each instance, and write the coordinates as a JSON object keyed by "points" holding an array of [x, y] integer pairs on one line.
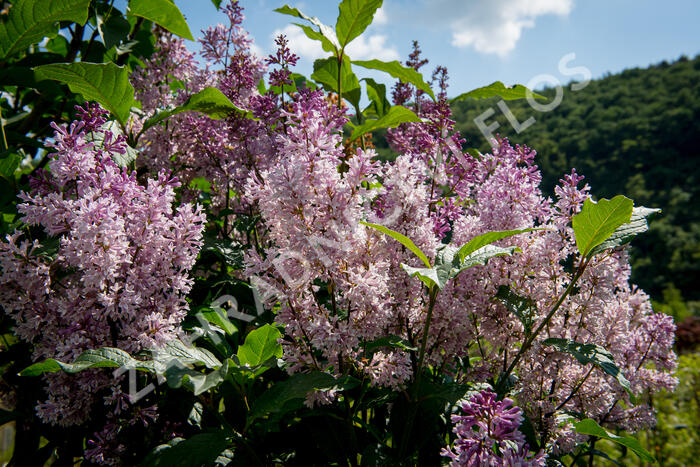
{"points": [[118, 278]]}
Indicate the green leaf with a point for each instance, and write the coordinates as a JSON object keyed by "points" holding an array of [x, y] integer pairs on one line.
{"points": [[178, 375], [626, 232], [353, 18], [405, 241], [326, 73], [9, 161], [228, 250], [376, 92], [598, 221], [592, 353], [498, 89], [524, 308], [107, 357], [448, 264], [389, 341], [114, 30], [396, 116], [313, 34], [162, 12], [260, 345], [185, 354], [220, 319], [296, 387], [201, 449], [591, 427], [485, 239], [29, 21], [98, 138], [324, 29], [398, 71], [105, 83], [209, 101], [217, 3]]}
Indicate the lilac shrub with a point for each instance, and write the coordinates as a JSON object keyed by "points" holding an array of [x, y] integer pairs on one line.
{"points": [[119, 274], [319, 214]]}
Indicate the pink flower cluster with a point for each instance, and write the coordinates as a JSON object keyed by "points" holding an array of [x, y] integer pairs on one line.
{"points": [[118, 275], [488, 434]]}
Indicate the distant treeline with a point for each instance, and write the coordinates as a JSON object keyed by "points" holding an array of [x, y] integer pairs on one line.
{"points": [[635, 133]]}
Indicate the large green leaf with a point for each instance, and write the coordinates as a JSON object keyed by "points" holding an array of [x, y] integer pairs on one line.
{"points": [[393, 118], [296, 387], [209, 101], [162, 12], [218, 318], [591, 427], [353, 18], [178, 375], [379, 105], [592, 353], [29, 21], [598, 221], [498, 89], [326, 73], [200, 449], [176, 350], [260, 345], [324, 29], [105, 83], [448, 263], [313, 34], [404, 240], [485, 239], [397, 70], [107, 357], [626, 232]]}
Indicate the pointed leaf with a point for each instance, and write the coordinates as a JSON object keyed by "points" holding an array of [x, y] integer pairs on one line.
{"points": [[29, 21], [592, 353], [162, 12], [598, 221], [485, 253], [626, 232], [376, 93], [313, 34], [176, 350], [107, 357], [209, 101], [591, 427], [324, 29], [296, 387], [487, 238], [404, 240], [398, 71], [428, 276], [353, 18], [105, 83], [498, 89], [395, 117], [260, 345], [326, 73]]}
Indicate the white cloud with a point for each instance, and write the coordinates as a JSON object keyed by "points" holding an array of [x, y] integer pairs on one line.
{"points": [[380, 17], [307, 49], [495, 26], [369, 47]]}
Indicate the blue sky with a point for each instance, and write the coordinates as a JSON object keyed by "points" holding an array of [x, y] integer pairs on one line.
{"points": [[481, 41]]}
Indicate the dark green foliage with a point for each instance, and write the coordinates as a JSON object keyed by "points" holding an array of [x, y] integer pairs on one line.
{"points": [[637, 132]]}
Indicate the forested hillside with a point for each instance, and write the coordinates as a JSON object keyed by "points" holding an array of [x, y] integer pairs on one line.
{"points": [[635, 133]]}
